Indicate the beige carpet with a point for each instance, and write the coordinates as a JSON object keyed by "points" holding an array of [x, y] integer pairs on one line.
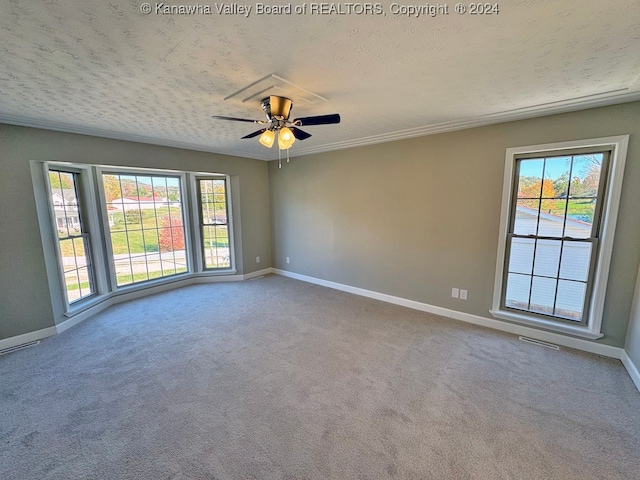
{"points": [[279, 379]]}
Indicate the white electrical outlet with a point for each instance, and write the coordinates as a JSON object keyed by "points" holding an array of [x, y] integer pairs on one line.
{"points": [[258, 259], [287, 259], [463, 294], [455, 292]]}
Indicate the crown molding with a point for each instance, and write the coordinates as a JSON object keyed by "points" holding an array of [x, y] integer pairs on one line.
{"points": [[570, 105], [103, 133]]}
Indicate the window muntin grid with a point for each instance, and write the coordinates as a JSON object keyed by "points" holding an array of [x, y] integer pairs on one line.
{"points": [[72, 240], [146, 227], [552, 241], [214, 223]]}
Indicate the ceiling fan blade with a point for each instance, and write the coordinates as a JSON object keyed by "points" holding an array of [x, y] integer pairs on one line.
{"points": [[317, 120], [235, 119], [254, 134], [300, 134]]}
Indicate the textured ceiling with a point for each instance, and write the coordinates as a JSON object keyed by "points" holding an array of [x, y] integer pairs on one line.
{"points": [[104, 68]]}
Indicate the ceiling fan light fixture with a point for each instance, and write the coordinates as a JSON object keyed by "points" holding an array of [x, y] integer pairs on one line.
{"points": [[277, 109], [285, 138], [267, 138]]}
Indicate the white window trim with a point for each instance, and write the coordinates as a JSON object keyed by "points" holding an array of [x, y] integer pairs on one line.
{"points": [[593, 327]]}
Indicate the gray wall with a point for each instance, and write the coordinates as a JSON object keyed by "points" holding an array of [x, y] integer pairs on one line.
{"points": [[25, 304], [632, 347], [415, 218]]}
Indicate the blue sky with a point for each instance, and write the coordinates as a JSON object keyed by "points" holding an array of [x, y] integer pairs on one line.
{"points": [[557, 166]]}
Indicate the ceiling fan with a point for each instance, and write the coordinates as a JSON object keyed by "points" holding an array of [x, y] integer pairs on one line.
{"points": [[277, 110]]}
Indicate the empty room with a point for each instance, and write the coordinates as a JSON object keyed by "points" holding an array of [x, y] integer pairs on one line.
{"points": [[300, 240]]}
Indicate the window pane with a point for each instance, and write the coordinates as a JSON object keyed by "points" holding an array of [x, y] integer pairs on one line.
{"points": [[132, 217], [556, 177], [68, 255], [552, 218], [146, 226], [119, 243], [570, 301], [543, 292], [518, 287], [153, 265], [576, 258], [72, 286], [547, 258], [168, 265], [580, 214], [586, 175], [526, 221], [144, 189], [115, 216], [151, 241], [216, 246], [521, 257], [530, 176], [176, 216], [124, 278], [136, 242], [128, 189], [85, 285], [112, 190]]}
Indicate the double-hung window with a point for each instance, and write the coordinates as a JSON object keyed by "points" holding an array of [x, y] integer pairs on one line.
{"points": [[559, 211], [214, 223], [73, 243]]}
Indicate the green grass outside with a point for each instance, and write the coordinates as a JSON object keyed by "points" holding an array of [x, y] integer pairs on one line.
{"points": [[140, 229], [216, 236], [140, 277], [126, 278], [580, 209]]}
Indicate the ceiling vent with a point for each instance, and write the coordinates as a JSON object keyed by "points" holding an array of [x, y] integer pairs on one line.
{"points": [[273, 84]]}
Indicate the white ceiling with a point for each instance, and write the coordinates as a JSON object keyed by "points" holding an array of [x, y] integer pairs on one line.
{"points": [[102, 67]]}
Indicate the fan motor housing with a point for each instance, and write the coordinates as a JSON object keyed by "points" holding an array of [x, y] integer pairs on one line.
{"points": [[278, 107]]}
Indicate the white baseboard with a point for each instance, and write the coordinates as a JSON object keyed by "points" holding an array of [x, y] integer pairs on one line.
{"points": [[27, 337], [632, 369], [558, 339], [259, 273], [231, 278]]}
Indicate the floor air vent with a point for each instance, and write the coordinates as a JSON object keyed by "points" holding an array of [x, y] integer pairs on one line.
{"points": [[18, 347], [539, 342]]}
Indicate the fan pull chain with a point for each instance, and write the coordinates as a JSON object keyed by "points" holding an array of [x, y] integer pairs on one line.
{"points": [[280, 157]]}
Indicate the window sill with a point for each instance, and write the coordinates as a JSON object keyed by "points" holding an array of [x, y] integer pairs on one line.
{"points": [[85, 305], [214, 273], [132, 291], [575, 330]]}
